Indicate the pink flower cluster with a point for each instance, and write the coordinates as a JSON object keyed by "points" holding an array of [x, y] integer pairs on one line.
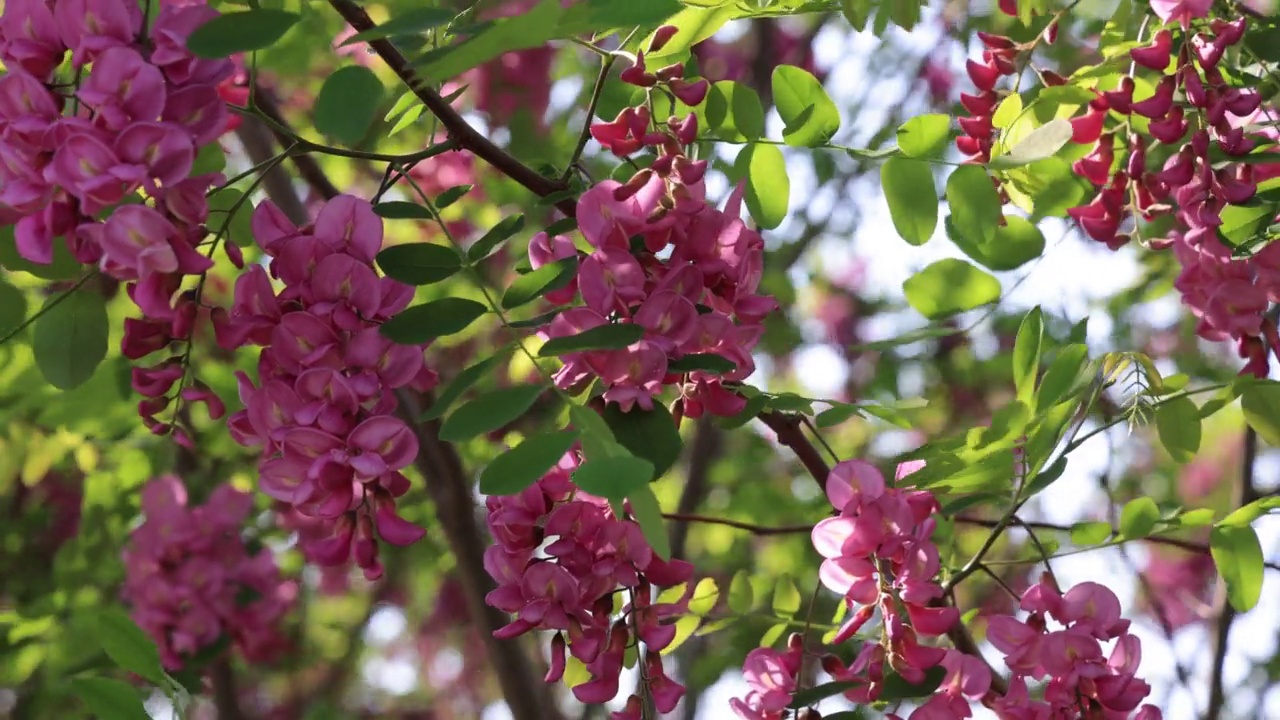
{"points": [[663, 259], [1228, 295], [515, 81], [878, 554], [76, 151], [772, 677], [1081, 680], [589, 556], [322, 410], [997, 62], [191, 580]]}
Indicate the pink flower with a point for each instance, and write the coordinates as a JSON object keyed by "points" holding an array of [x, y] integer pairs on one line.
{"points": [[1183, 11]]}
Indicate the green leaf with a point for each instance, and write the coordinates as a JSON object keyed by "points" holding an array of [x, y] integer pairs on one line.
{"points": [[109, 699], [591, 16], [817, 693], [489, 411], [460, 384], [63, 267], [773, 634], [521, 466], [1138, 518], [1026, 354], [604, 337], [419, 263], [1198, 517], [13, 308], [648, 434], [706, 362], [733, 112], [424, 323], [231, 216], [238, 32], [741, 596], [1260, 402], [811, 118], [348, 103], [1090, 533], [529, 29], [786, 597], [410, 22], [648, 513], [613, 476], [1016, 243], [1043, 142], [693, 25], [209, 159], [974, 203], [402, 210], [1063, 374], [497, 235], [127, 645], [925, 136], [1178, 424], [1252, 511], [1238, 556], [534, 285], [835, 415], [70, 340], [897, 688], [913, 201], [451, 195], [704, 596], [950, 286], [768, 187]]}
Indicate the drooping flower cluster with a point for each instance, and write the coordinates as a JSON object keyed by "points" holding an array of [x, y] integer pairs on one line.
{"points": [[878, 554], [1080, 679], [590, 556], [663, 258], [191, 580], [323, 408], [772, 677], [997, 61], [76, 153], [1228, 294]]}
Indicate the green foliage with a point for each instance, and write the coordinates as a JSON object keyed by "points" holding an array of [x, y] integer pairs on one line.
{"points": [[1138, 518], [604, 337], [949, 286], [127, 645], [497, 235], [647, 434], [1238, 557], [70, 337], [974, 203], [108, 699], [913, 201], [419, 263], [348, 104], [1178, 423], [647, 512], [534, 285], [811, 118], [613, 476], [423, 323], [768, 192], [237, 32], [488, 412], [518, 468], [925, 137], [732, 112]]}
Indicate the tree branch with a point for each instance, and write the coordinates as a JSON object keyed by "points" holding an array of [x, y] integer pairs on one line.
{"points": [[787, 428], [458, 129], [708, 440], [225, 701], [1245, 494]]}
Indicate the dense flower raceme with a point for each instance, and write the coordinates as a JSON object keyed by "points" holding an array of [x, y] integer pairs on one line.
{"points": [[323, 407], [878, 555], [560, 557], [72, 154], [663, 258], [191, 580]]}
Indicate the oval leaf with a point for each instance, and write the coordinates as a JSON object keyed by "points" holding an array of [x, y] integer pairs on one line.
{"points": [[1238, 556], [127, 645], [913, 201], [460, 384], [811, 118], [768, 192], [402, 210], [1178, 424], [497, 235], [733, 112], [489, 412], [521, 466], [109, 699], [423, 323], [950, 286], [648, 513], [534, 285], [974, 203], [70, 340], [348, 103], [925, 136], [1045, 141], [237, 32], [604, 337], [613, 476], [419, 263], [1139, 517], [648, 434]]}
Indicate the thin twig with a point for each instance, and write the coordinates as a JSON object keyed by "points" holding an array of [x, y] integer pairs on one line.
{"points": [[596, 92], [749, 527]]}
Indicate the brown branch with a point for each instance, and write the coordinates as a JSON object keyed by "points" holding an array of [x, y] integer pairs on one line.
{"points": [[308, 169], [1245, 494], [527, 696], [749, 527], [225, 701], [458, 129], [708, 442], [259, 144], [787, 428]]}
